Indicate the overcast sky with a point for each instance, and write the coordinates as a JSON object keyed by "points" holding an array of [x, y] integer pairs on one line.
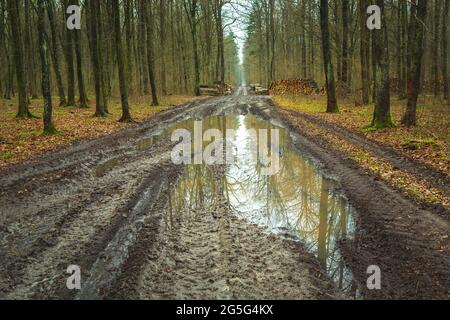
{"points": [[236, 13]]}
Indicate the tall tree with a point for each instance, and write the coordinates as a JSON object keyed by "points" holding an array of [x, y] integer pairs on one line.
{"points": [[435, 47], [129, 32], [414, 74], [45, 70], [272, 40], [382, 112], [17, 44], [162, 44], [29, 50], [68, 46], [445, 48], [191, 7], [126, 117], [55, 53], [328, 63], [83, 99], [364, 51], [95, 56], [147, 8], [345, 40], [220, 64]]}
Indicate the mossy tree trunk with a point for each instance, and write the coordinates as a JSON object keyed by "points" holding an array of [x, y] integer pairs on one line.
{"points": [[382, 113]]}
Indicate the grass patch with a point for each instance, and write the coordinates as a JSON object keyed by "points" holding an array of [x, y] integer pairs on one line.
{"points": [[6, 155]]}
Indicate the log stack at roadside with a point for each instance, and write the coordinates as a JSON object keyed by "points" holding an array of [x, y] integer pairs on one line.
{"points": [[258, 90], [217, 89], [294, 87]]}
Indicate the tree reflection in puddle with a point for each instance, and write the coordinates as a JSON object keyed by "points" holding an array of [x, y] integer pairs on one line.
{"points": [[298, 202]]}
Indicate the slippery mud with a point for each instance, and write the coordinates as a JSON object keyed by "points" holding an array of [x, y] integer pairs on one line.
{"points": [[141, 227]]}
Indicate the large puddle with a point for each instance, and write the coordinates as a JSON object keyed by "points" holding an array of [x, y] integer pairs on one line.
{"points": [[297, 202]]}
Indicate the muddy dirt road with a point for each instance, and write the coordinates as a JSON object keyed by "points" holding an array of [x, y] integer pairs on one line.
{"points": [[141, 227]]}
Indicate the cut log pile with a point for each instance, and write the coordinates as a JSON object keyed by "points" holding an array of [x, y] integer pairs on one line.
{"points": [[294, 87], [258, 90], [216, 89]]}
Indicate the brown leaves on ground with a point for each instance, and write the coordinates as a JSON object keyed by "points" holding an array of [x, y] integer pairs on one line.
{"points": [[21, 140], [428, 142], [376, 166]]}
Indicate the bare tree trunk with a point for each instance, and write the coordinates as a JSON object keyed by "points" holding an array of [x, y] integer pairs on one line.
{"points": [[15, 24], [55, 54], [150, 51], [45, 70], [345, 36], [272, 39], [382, 112], [365, 52], [328, 64], [126, 117], [414, 77], [162, 38], [191, 7], [435, 53], [128, 9], [69, 63], [445, 49], [79, 58], [29, 51], [94, 46]]}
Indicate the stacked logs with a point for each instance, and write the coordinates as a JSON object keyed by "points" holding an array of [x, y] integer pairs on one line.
{"points": [[294, 87], [217, 89], [258, 90]]}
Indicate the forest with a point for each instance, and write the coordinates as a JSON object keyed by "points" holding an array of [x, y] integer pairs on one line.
{"points": [[348, 99], [129, 47]]}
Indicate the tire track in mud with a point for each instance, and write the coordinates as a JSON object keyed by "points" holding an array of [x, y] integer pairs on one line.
{"points": [[208, 253], [71, 240]]}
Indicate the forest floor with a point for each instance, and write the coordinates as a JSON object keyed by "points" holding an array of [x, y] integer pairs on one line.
{"points": [[21, 140], [103, 205], [423, 148]]}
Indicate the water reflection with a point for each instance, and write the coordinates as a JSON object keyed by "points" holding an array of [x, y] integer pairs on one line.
{"points": [[298, 202]]}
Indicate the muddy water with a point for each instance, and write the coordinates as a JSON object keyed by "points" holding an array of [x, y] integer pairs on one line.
{"points": [[297, 202]]}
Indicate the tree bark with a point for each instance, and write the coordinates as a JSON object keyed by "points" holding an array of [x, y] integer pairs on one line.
{"points": [[17, 44], [45, 70], [55, 53], [191, 7], [150, 51], [345, 36], [79, 57], [414, 76], [69, 62], [126, 117], [382, 112], [328, 64], [29, 51], [445, 48], [364, 52], [435, 51], [94, 46]]}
